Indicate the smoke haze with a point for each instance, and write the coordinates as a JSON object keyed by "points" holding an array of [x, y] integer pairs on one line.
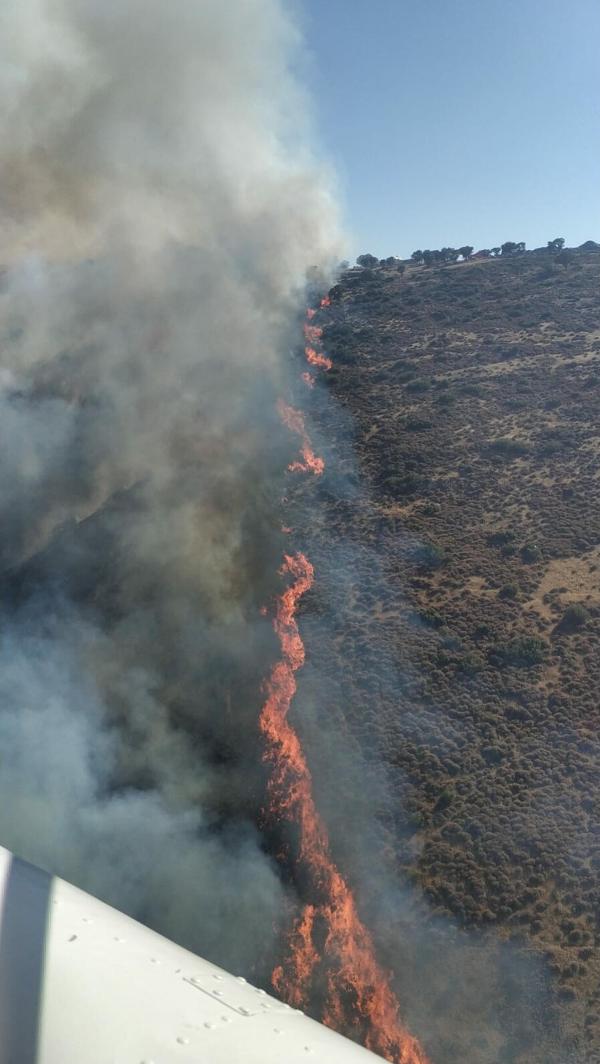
{"points": [[157, 229]]}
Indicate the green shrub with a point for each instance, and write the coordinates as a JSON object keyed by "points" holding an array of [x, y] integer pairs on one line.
{"points": [[431, 618], [506, 447], [429, 556], [499, 539], [443, 801], [431, 509], [574, 617], [492, 755], [530, 553], [522, 652], [470, 664], [474, 390], [421, 384]]}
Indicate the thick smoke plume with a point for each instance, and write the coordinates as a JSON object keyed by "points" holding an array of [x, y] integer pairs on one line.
{"points": [[157, 228]]}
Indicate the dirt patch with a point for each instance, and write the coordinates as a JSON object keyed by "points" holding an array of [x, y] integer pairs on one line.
{"points": [[568, 580]]}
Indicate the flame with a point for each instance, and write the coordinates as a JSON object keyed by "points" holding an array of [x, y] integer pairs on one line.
{"points": [[317, 359], [308, 379], [328, 943], [294, 419], [304, 959], [326, 301], [359, 998], [313, 335]]}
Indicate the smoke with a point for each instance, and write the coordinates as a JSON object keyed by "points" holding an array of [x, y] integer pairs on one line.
{"points": [[160, 210], [150, 852]]}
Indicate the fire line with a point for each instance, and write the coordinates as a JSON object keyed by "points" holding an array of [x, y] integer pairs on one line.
{"points": [[357, 992]]}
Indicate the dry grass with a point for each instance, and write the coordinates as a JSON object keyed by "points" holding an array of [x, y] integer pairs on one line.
{"points": [[474, 393]]}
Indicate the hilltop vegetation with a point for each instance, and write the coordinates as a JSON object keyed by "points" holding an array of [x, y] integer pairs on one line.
{"points": [[448, 255], [468, 633]]}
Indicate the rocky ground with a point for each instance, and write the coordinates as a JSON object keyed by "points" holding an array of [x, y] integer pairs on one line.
{"points": [[457, 536]]}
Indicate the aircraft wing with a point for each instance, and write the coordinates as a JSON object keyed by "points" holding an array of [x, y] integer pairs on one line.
{"points": [[81, 983]]}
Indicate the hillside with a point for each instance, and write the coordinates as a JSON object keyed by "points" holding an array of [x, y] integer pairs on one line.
{"points": [[467, 619], [448, 705]]}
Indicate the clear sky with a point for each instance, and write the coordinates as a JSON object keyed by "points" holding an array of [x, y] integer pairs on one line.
{"points": [[459, 121]]}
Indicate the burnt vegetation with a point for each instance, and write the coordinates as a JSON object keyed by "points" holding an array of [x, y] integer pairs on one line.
{"points": [[468, 633]]}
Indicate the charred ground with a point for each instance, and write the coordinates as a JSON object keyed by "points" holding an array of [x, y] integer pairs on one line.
{"points": [[465, 622]]}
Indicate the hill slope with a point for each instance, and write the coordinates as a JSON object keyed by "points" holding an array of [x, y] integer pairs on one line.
{"points": [[468, 632]]}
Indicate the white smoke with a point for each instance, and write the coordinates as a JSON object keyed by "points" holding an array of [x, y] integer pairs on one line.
{"points": [[148, 851], [160, 208]]}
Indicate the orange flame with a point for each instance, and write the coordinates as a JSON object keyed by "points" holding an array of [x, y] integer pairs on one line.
{"points": [[313, 334], [294, 419], [317, 359], [358, 995], [326, 301], [354, 981], [308, 379]]}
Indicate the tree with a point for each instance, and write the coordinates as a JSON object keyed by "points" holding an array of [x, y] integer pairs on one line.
{"points": [[485, 253], [520, 247], [400, 268], [495, 251], [449, 254], [417, 257], [564, 258], [509, 247], [574, 617], [367, 261], [530, 553], [557, 244], [428, 257], [390, 262], [466, 251]]}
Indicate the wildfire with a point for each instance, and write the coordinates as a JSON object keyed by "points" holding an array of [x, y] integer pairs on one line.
{"points": [[313, 336], [308, 379], [328, 943], [317, 359], [312, 333], [358, 995], [294, 419]]}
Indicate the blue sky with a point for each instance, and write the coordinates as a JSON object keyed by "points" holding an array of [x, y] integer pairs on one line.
{"points": [[458, 121]]}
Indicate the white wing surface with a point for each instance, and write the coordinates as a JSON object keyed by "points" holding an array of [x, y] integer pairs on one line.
{"points": [[81, 983]]}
